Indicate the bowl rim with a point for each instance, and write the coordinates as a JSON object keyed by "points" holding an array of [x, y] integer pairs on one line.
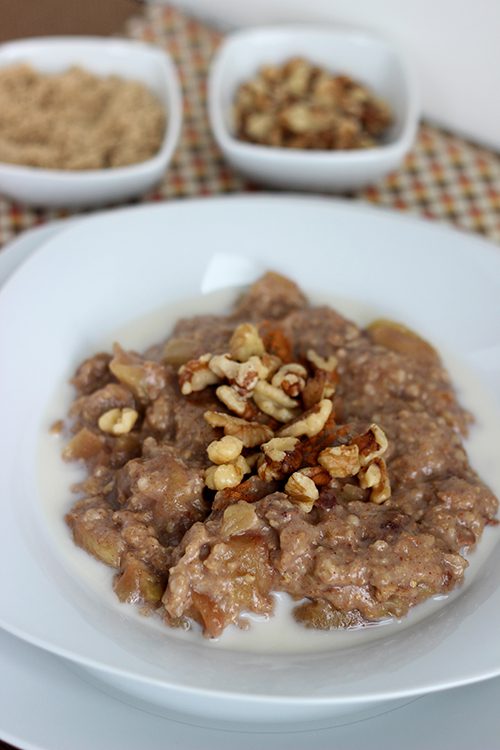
{"points": [[243, 149], [170, 81]]}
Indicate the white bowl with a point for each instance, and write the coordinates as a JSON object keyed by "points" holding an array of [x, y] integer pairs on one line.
{"points": [[76, 294], [129, 59], [360, 55]]}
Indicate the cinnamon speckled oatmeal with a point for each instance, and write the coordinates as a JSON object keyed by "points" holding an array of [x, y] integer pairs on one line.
{"points": [[75, 120], [277, 448]]}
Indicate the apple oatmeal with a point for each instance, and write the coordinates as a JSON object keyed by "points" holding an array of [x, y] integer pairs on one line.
{"points": [[279, 448]]}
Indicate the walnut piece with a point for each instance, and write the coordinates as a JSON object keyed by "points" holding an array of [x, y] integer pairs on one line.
{"points": [[318, 474], [274, 402], [302, 491], [279, 458], [311, 422], [371, 444], [232, 399], [329, 364], [375, 477], [225, 450], [224, 367], [321, 386], [243, 376], [225, 475], [242, 464], [291, 378], [277, 448], [245, 342], [118, 421], [250, 433], [340, 461], [196, 375]]}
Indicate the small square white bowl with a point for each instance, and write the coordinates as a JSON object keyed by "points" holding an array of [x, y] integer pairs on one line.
{"points": [[128, 59], [365, 57]]}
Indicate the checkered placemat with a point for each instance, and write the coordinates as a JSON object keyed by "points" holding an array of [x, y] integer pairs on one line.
{"points": [[444, 177]]}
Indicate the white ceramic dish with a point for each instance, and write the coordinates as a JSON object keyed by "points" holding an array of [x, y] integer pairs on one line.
{"points": [[363, 56], [48, 707], [389, 261], [129, 59], [41, 687]]}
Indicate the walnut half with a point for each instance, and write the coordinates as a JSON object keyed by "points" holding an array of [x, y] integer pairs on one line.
{"points": [[302, 491]]}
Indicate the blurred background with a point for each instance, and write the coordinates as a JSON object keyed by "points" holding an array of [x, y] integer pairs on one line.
{"points": [[21, 18], [454, 44], [451, 174]]}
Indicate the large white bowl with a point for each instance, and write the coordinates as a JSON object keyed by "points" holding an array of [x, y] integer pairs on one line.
{"points": [[365, 57], [129, 59], [100, 274]]}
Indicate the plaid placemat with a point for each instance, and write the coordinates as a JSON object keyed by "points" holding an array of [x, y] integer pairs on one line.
{"points": [[444, 177]]}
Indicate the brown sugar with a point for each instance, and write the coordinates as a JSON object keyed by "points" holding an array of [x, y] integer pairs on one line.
{"points": [[75, 120]]}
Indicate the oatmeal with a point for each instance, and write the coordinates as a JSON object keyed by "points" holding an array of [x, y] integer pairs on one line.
{"points": [[75, 120], [300, 105], [280, 448]]}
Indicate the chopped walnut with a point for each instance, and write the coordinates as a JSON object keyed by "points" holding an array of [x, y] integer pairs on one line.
{"points": [[249, 374], [321, 386], [243, 376], [372, 444], [224, 367], [291, 378], [302, 491], [232, 399], [329, 364], [196, 375], [318, 474], [250, 433], [242, 464], [277, 448], [247, 370], [375, 477], [272, 364], [225, 475], [118, 421], [225, 450], [245, 342], [340, 461], [279, 458], [274, 402], [311, 422]]}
